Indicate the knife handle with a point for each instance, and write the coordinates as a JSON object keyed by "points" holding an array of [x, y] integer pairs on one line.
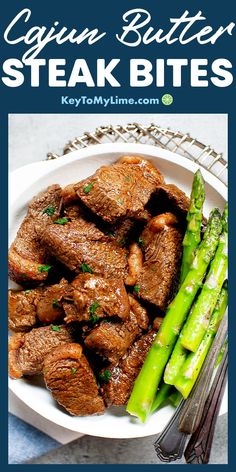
{"points": [[192, 411], [169, 445], [199, 447]]}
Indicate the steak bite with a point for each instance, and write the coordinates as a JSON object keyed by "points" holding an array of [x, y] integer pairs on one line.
{"points": [[120, 190], [112, 339], [159, 276], [26, 308], [22, 308], [71, 380], [49, 307], [117, 380], [27, 257], [95, 297], [81, 246], [172, 198], [122, 231], [27, 351]]}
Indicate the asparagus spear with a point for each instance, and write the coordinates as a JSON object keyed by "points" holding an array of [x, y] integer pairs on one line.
{"points": [[147, 382], [175, 398], [192, 366], [198, 320], [162, 395], [194, 218], [178, 357]]}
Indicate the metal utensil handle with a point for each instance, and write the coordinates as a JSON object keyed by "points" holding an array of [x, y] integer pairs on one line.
{"points": [[191, 413], [199, 447], [169, 445]]}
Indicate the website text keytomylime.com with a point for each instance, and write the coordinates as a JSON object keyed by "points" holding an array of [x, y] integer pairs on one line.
{"points": [[106, 100]]}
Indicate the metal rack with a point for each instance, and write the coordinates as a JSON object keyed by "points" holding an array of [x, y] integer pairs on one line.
{"points": [[182, 144]]}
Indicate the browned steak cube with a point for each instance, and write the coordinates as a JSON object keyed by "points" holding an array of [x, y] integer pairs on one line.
{"points": [[120, 190], [112, 340], [173, 199], [22, 308], [122, 231], [27, 256], [49, 307], [72, 212], [69, 195], [159, 276], [71, 380], [81, 246], [118, 380], [27, 351], [95, 297], [27, 307]]}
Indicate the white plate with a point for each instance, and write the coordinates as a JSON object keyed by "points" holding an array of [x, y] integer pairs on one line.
{"points": [[26, 182]]}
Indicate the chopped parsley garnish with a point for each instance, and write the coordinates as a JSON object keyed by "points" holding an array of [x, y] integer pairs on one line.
{"points": [[27, 291], [88, 188], [55, 304], [61, 221], [44, 268], [49, 210], [120, 201], [136, 288], [140, 241], [111, 234], [56, 328], [93, 308], [73, 370], [93, 318], [122, 241], [105, 376], [86, 268]]}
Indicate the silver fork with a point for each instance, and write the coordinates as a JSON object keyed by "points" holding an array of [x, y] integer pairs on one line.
{"points": [[170, 443]]}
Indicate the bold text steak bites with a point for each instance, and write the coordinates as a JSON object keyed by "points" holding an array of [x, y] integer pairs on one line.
{"points": [[159, 275], [80, 245], [27, 351], [27, 307], [120, 190], [112, 340], [95, 297], [117, 389], [71, 380], [26, 255]]}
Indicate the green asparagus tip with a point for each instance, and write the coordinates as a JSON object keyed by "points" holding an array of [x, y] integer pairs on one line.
{"points": [[198, 190], [198, 178], [214, 221]]}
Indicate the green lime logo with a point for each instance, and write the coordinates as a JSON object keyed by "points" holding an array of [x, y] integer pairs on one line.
{"points": [[167, 99]]}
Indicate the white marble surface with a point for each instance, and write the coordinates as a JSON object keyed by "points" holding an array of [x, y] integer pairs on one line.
{"points": [[31, 137]]}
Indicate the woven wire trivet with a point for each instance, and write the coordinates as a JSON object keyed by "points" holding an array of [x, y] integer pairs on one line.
{"points": [[165, 138]]}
